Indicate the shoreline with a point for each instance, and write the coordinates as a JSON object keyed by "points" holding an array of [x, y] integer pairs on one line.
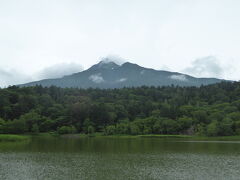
{"points": [[24, 137], [13, 138]]}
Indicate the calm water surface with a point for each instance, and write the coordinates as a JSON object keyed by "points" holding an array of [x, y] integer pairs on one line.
{"points": [[106, 158]]}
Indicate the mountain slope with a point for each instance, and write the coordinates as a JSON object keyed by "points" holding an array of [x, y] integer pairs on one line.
{"points": [[111, 75]]}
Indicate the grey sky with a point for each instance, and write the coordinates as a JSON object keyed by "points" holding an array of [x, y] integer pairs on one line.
{"points": [[178, 35]]}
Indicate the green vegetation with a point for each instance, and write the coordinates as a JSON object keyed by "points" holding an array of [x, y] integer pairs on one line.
{"points": [[12, 138], [66, 130], [212, 110]]}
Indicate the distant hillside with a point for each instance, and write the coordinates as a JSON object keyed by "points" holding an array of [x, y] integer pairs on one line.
{"points": [[107, 74]]}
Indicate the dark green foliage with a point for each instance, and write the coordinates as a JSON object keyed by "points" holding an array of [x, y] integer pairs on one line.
{"points": [[67, 130], [16, 126], [110, 130], [90, 130], [212, 110], [2, 125], [35, 128], [226, 127], [213, 129]]}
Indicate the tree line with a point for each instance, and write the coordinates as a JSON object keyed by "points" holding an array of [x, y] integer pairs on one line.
{"points": [[212, 110]]}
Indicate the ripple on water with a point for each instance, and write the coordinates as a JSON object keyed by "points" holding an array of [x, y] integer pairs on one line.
{"points": [[51, 166]]}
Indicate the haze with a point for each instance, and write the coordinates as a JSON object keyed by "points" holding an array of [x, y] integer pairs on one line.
{"points": [[48, 39]]}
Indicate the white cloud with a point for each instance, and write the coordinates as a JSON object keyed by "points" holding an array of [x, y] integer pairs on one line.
{"points": [[113, 58], [97, 78], [122, 80], [178, 77], [211, 66], [59, 70], [12, 77], [208, 66], [142, 72]]}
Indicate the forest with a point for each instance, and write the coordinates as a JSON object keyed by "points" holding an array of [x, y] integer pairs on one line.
{"points": [[212, 110]]}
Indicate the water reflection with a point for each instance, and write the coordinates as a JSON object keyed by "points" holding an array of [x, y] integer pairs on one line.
{"points": [[119, 158]]}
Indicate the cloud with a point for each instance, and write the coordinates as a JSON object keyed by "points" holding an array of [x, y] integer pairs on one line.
{"points": [[113, 58], [12, 77], [122, 80], [59, 70], [208, 66], [97, 78], [178, 77], [142, 72]]}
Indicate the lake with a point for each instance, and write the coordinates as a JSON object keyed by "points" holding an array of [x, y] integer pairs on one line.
{"points": [[54, 158]]}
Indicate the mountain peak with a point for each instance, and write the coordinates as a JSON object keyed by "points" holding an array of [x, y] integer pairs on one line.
{"points": [[105, 64], [108, 74], [106, 61]]}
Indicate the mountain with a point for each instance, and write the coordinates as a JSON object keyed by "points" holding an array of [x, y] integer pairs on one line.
{"points": [[107, 74]]}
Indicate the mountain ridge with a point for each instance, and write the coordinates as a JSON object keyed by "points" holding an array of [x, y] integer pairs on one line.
{"points": [[108, 74]]}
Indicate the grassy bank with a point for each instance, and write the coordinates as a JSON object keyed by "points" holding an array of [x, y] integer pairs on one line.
{"points": [[220, 138], [165, 136], [189, 137], [217, 138], [13, 138], [214, 138], [17, 138]]}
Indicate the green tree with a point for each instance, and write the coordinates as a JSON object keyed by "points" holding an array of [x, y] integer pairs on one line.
{"points": [[226, 127], [66, 130], [90, 130], [170, 126], [110, 130], [35, 128], [16, 126], [200, 130], [123, 128], [185, 123], [201, 116], [213, 129], [86, 124], [2, 126], [30, 119], [47, 125], [158, 127], [237, 127], [134, 129]]}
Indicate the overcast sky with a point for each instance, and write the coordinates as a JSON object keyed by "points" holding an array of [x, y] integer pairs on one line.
{"points": [[50, 38]]}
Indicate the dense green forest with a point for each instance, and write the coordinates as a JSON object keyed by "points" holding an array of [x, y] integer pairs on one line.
{"points": [[212, 110]]}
